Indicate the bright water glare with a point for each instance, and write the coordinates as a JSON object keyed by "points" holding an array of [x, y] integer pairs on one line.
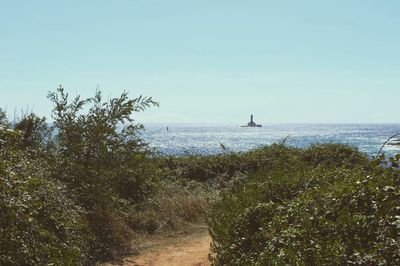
{"points": [[207, 139]]}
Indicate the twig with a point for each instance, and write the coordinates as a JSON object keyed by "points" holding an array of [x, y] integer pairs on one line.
{"points": [[283, 141], [162, 226], [386, 142]]}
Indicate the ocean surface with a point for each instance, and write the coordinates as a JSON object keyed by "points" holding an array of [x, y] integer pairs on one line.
{"points": [[207, 139]]}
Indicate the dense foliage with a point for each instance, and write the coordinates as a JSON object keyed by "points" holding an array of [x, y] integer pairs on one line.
{"points": [[39, 223], [64, 188], [327, 204]]}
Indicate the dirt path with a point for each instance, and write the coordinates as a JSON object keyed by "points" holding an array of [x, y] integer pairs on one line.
{"points": [[181, 251], [189, 246], [185, 252]]}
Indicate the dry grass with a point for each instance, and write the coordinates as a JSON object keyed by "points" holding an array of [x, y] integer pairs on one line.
{"points": [[173, 206], [183, 206]]}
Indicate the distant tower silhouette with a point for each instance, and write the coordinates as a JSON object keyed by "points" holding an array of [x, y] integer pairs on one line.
{"points": [[252, 123]]}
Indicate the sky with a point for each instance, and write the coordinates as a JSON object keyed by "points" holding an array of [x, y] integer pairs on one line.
{"points": [[208, 61]]}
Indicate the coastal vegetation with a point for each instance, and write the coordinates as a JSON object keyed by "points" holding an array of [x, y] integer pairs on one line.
{"points": [[78, 190], [324, 205]]}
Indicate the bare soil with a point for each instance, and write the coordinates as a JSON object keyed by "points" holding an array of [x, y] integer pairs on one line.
{"points": [[187, 252], [186, 248]]}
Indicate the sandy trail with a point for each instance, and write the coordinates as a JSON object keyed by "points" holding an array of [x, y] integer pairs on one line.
{"points": [[184, 252]]}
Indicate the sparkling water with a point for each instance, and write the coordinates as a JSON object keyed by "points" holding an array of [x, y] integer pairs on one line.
{"points": [[207, 139]]}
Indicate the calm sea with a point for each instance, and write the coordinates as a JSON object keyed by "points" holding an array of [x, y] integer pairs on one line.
{"points": [[196, 139]]}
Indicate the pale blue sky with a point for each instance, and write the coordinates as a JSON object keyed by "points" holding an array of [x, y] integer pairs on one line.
{"points": [[209, 61]]}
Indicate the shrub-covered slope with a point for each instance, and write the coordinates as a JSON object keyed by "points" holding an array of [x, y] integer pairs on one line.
{"points": [[327, 204]]}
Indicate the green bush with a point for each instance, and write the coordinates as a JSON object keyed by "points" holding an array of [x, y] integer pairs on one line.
{"points": [[226, 166], [334, 155], [39, 224], [101, 159], [64, 190], [336, 210]]}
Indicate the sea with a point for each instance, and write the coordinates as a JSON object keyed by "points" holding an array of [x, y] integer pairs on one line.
{"points": [[187, 139]]}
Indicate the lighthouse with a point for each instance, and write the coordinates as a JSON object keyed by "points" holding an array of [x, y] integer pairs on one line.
{"points": [[252, 123]]}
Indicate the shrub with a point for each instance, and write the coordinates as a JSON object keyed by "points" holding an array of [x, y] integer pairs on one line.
{"points": [[64, 189], [39, 223], [334, 155], [100, 157], [228, 165], [334, 210]]}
